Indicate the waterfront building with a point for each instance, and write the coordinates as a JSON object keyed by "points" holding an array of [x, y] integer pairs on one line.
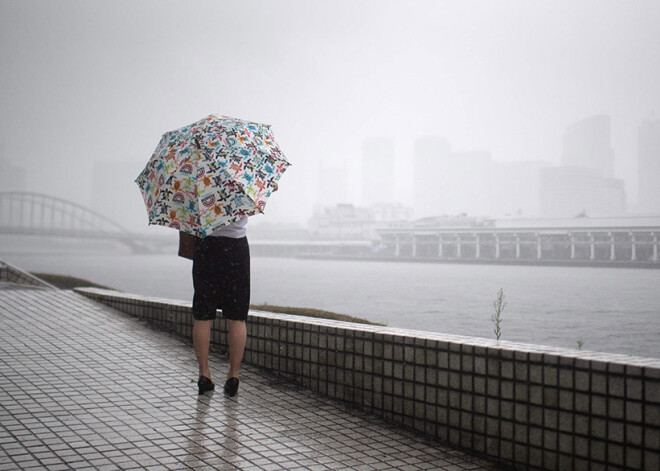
{"points": [[649, 166], [342, 221], [394, 212], [588, 143], [377, 171], [624, 241], [349, 222]]}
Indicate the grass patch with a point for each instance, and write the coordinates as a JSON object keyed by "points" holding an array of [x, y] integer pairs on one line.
{"points": [[68, 282], [308, 312]]}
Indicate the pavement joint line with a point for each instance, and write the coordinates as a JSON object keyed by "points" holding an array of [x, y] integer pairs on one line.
{"points": [[107, 391]]}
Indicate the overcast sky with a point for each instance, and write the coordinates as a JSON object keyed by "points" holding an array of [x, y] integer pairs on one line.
{"points": [[91, 81]]}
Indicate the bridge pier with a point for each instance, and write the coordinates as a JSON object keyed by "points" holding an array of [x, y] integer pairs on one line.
{"points": [[517, 245], [655, 247], [458, 246], [397, 246], [414, 246], [592, 247], [477, 249], [497, 247], [440, 246], [612, 249], [633, 255], [539, 254]]}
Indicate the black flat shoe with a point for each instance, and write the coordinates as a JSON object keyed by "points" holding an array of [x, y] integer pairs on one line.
{"points": [[231, 387], [205, 384]]}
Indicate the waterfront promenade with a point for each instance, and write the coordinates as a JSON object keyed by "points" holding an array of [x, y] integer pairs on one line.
{"points": [[84, 386]]}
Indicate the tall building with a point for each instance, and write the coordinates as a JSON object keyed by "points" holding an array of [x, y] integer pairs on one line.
{"points": [[588, 143], [449, 182], [584, 183], [377, 171], [570, 191], [516, 187], [332, 188], [469, 184], [648, 153], [432, 154]]}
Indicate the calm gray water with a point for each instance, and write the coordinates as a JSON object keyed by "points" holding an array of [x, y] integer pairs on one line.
{"points": [[612, 310]]}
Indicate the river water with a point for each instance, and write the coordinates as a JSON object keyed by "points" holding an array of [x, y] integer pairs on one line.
{"points": [[610, 309]]}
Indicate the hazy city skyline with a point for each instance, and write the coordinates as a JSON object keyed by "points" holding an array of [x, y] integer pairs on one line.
{"points": [[90, 84], [508, 189]]}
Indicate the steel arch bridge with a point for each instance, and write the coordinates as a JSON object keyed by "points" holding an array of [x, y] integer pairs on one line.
{"points": [[24, 213], [39, 214]]}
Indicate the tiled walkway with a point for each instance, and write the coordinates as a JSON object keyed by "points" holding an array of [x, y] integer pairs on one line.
{"points": [[85, 387]]}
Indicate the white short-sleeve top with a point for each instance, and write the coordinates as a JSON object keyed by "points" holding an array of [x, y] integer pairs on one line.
{"points": [[235, 230]]}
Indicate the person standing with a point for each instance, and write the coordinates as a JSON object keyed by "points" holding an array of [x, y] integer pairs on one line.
{"points": [[213, 174], [221, 279]]}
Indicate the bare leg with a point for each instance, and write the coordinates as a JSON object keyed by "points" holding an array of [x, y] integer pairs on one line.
{"points": [[201, 339], [237, 340]]}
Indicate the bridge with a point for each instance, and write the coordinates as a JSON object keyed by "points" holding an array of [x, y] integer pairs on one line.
{"points": [[35, 214]]}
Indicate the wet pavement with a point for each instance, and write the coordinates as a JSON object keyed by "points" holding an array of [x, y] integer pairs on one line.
{"points": [[83, 386]]}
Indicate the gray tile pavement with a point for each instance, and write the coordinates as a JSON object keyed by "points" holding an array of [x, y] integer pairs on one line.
{"points": [[86, 387]]}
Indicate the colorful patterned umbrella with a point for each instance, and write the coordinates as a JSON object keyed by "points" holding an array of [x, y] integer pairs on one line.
{"points": [[210, 174]]}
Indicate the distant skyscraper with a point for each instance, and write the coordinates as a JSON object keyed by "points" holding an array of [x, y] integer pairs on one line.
{"points": [[584, 183], [649, 166], [588, 143], [568, 191], [332, 188], [516, 187], [378, 171], [451, 183], [469, 184], [432, 154]]}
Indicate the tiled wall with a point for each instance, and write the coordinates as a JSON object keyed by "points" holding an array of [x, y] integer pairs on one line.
{"points": [[14, 275], [531, 407]]}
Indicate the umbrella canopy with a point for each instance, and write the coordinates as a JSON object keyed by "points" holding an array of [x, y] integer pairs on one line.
{"points": [[211, 173]]}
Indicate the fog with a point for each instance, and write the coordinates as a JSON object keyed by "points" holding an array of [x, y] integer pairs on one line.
{"points": [[88, 87]]}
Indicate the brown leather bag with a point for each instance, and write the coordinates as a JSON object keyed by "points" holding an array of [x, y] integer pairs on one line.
{"points": [[186, 245]]}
